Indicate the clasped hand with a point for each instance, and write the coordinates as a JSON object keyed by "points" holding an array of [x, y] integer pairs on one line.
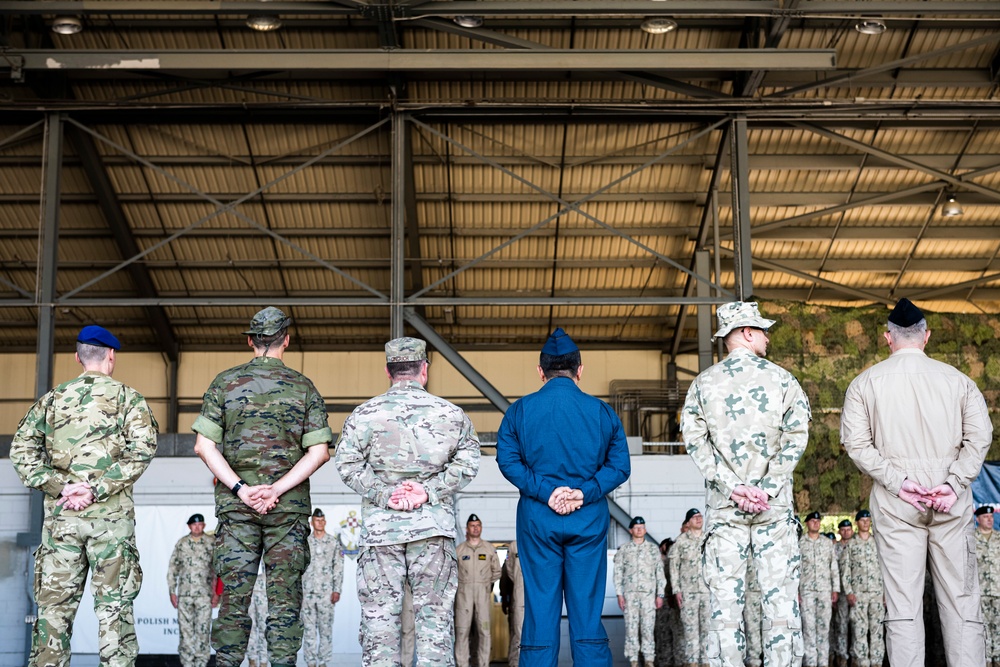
{"points": [[76, 496], [750, 499], [940, 499], [261, 498], [565, 500], [407, 496]]}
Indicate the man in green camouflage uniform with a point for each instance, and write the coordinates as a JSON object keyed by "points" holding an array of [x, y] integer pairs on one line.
{"points": [[84, 444], [862, 579], [666, 615], [191, 582], [752, 620], [407, 453], [746, 424], [840, 627], [988, 559], [272, 425], [257, 645], [818, 589], [321, 586], [639, 583], [690, 590]]}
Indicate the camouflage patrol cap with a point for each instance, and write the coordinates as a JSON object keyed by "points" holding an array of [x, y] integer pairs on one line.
{"points": [[405, 349], [636, 521], [318, 514], [268, 322], [739, 314]]}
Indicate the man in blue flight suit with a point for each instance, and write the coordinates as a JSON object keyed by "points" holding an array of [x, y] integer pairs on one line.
{"points": [[565, 451]]}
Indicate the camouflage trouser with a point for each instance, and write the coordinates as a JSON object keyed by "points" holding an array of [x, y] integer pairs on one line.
{"points": [[752, 624], [839, 635], [431, 569], [695, 615], [770, 539], [515, 620], [240, 540], [194, 620], [817, 609], [640, 620], [317, 622], [991, 623], [257, 644], [69, 546], [408, 638], [867, 616], [666, 620]]}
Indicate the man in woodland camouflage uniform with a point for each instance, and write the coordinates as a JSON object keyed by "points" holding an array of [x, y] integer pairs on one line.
{"points": [[745, 424], [818, 588], [191, 582], [690, 590], [752, 620], [639, 583], [988, 559], [862, 579], [321, 584], [272, 425], [839, 627], [257, 644], [84, 444], [478, 568], [407, 452]]}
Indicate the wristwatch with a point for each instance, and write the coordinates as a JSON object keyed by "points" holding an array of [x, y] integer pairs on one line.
{"points": [[237, 486]]}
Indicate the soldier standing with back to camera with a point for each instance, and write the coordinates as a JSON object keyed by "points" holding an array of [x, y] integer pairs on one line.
{"points": [[478, 569], [191, 582], [321, 584], [639, 583]]}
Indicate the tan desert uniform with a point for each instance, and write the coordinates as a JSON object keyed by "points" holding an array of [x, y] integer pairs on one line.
{"points": [[515, 613], [478, 568], [913, 417], [819, 580]]}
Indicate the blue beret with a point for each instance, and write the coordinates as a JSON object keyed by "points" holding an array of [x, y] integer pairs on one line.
{"points": [[559, 343], [99, 336], [905, 314]]}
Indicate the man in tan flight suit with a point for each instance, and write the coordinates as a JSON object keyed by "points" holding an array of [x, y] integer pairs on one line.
{"points": [[478, 568], [921, 430]]}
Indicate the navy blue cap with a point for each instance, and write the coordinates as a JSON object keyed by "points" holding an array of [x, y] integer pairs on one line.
{"points": [[905, 314], [99, 336], [813, 515], [862, 514], [559, 343], [636, 520]]}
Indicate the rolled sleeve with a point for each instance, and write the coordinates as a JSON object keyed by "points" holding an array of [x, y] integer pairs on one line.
{"points": [[207, 428]]}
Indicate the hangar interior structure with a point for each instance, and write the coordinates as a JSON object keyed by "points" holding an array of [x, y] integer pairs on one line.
{"points": [[478, 172]]}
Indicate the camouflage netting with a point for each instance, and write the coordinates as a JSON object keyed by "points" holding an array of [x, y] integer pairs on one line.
{"points": [[826, 348]]}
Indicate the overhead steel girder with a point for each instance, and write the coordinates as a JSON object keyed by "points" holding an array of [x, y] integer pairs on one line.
{"points": [[360, 301], [438, 63], [556, 8]]}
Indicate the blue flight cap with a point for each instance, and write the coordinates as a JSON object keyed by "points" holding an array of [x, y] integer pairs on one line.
{"points": [[559, 343], [905, 314], [99, 336]]}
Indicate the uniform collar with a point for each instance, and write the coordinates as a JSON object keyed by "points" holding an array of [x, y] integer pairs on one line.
{"points": [[909, 350], [408, 384], [94, 374]]}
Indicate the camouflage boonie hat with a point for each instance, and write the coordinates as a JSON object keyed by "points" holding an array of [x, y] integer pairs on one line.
{"points": [[268, 322], [740, 314], [405, 349]]}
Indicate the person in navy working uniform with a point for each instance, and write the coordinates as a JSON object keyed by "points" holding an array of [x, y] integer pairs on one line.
{"points": [[565, 451]]}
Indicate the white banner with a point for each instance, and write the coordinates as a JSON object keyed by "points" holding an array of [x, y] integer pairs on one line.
{"points": [[157, 530]]}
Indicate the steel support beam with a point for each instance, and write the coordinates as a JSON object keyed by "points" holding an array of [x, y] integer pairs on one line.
{"points": [[355, 62], [739, 175], [398, 213], [701, 260], [425, 329], [413, 232]]}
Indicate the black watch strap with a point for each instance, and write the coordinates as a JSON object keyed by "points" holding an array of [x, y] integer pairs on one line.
{"points": [[237, 486]]}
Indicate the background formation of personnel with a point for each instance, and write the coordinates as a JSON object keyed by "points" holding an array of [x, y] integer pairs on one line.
{"points": [[640, 583], [478, 569], [191, 582], [690, 590], [819, 584]]}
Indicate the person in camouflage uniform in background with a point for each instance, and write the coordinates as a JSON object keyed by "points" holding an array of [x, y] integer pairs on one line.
{"points": [[666, 615], [407, 453], [83, 445], [691, 593], [512, 601], [752, 620], [191, 583], [257, 644], [988, 559], [745, 423], [818, 589], [862, 583], [321, 584], [640, 583], [840, 626], [272, 425]]}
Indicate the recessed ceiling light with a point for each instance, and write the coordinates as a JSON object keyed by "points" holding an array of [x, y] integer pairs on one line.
{"points": [[263, 22], [659, 26], [469, 21], [67, 25], [870, 27]]}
